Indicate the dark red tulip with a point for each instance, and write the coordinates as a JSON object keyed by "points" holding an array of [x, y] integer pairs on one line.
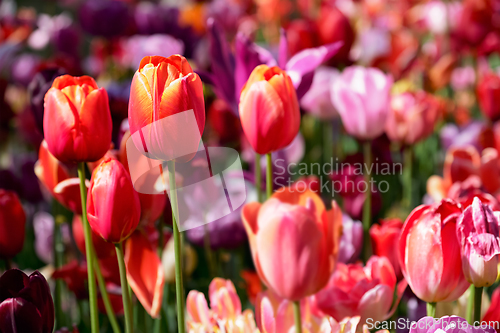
{"points": [[12, 225], [334, 26], [25, 303], [75, 276], [488, 94]]}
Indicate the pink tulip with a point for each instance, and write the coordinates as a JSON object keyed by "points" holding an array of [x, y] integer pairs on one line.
{"points": [[478, 233], [429, 252], [224, 314], [317, 99], [294, 241], [412, 117], [361, 97], [354, 290]]}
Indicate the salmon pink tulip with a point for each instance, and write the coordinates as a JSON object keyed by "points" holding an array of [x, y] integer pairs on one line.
{"points": [[163, 87], [269, 109], [478, 231], [361, 97], [354, 290], [294, 241], [12, 224], [429, 252], [77, 121], [113, 206]]}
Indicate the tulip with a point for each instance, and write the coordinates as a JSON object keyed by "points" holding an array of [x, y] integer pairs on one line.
{"points": [[351, 241], [385, 237], [361, 96], [163, 87], [104, 18], [152, 207], [493, 312], [488, 95], [354, 290], [224, 314], [25, 303], [294, 241], [113, 206], [317, 99], [77, 121], [433, 268], [269, 109], [478, 230], [12, 224], [57, 178], [412, 117], [189, 263]]}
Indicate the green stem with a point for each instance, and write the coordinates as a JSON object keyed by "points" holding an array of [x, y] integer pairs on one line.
{"points": [[431, 309], [470, 305], [407, 177], [258, 177], [269, 175], [367, 206], [105, 297], [327, 141], [125, 293], [296, 315], [179, 289], [478, 294], [58, 261], [94, 315]]}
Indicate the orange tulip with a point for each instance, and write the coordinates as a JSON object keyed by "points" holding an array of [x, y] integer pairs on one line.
{"points": [[269, 109], [294, 241], [77, 121], [163, 87]]}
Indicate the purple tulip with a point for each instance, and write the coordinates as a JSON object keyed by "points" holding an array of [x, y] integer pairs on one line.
{"points": [[453, 136], [25, 303], [447, 324], [37, 89], [361, 96], [139, 46], [105, 18], [317, 100], [351, 241], [23, 68], [478, 230]]}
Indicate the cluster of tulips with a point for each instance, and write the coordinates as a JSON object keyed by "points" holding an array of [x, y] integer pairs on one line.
{"points": [[312, 95]]}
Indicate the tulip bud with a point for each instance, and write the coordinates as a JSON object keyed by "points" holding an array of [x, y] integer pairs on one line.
{"points": [[488, 94], [113, 206], [429, 253], [26, 304], [478, 231], [77, 122], [269, 109], [12, 224]]}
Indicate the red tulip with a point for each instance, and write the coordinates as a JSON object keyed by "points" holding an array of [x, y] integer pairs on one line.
{"points": [[429, 252], [113, 206], [294, 241], [12, 224], [102, 248], [269, 109], [75, 276], [385, 237], [56, 177], [152, 207], [163, 87], [493, 312], [77, 121], [488, 94]]}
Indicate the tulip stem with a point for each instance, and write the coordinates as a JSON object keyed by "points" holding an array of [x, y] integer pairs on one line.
{"points": [[125, 293], [470, 304], [327, 141], [105, 297], [407, 177], [269, 175], [367, 206], [179, 289], [297, 317], [58, 261], [94, 315], [258, 177], [478, 294], [431, 309]]}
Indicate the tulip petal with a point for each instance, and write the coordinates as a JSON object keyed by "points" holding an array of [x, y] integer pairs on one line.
{"points": [[144, 273], [267, 321], [197, 307], [67, 193], [11, 283], [20, 315], [375, 303], [67, 80]]}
